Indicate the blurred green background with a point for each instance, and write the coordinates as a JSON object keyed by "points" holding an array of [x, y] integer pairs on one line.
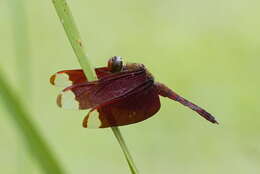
{"points": [[206, 50]]}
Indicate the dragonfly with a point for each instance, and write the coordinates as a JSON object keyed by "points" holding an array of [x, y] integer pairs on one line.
{"points": [[124, 94]]}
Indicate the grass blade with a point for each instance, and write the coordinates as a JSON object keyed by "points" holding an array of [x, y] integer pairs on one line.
{"points": [[21, 46], [23, 69], [72, 32], [35, 142], [125, 150], [73, 35]]}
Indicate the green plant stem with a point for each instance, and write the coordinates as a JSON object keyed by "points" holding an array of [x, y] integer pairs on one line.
{"points": [[123, 146], [35, 142], [72, 32]]}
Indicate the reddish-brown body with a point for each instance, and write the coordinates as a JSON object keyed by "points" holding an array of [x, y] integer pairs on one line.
{"points": [[120, 98]]}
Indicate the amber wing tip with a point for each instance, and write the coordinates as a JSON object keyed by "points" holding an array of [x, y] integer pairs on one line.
{"points": [[59, 100], [85, 122], [52, 79]]}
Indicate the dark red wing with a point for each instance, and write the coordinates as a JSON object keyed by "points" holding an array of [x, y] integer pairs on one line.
{"points": [[137, 106], [67, 78], [91, 94], [166, 92], [102, 72]]}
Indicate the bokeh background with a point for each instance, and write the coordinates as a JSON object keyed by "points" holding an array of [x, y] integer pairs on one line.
{"points": [[206, 50]]}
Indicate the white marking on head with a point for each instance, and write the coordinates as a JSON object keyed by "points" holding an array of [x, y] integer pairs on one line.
{"points": [[62, 80], [68, 100], [93, 120]]}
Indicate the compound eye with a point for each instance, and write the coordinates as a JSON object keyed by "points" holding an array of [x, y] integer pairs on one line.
{"points": [[115, 64]]}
